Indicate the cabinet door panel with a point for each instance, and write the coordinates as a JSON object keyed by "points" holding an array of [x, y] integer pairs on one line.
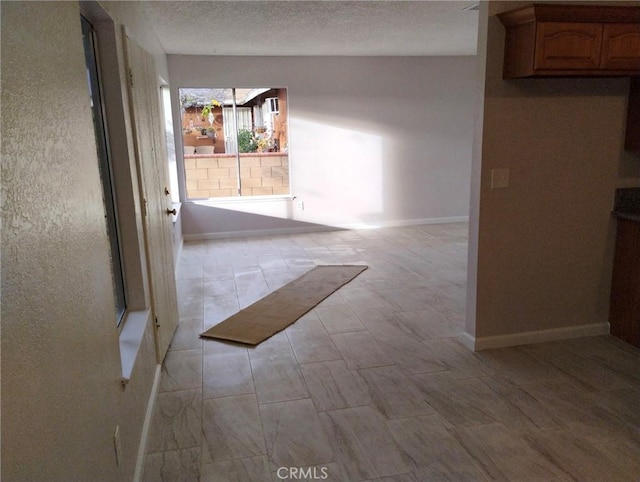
{"points": [[624, 314], [568, 46], [621, 46]]}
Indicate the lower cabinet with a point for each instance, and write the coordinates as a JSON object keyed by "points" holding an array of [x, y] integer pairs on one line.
{"points": [[624, 314]]}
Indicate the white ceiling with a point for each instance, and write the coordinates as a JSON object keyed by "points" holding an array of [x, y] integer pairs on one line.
{"points": [[328, 27]]}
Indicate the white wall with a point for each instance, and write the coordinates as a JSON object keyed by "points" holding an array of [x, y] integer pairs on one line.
{"points": [[541, 249], [373, 140], [61, 392]]}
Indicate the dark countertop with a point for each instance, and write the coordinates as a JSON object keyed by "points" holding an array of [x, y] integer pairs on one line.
{"points": [[627, 204], [630, 217]]}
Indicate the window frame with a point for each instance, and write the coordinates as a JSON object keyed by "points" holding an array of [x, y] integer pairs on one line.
{"points": [[120, 144], [239, 197], [92, 59]]}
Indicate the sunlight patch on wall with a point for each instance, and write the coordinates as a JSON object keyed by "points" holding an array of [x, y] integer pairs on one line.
{"points": [[337, 172]]}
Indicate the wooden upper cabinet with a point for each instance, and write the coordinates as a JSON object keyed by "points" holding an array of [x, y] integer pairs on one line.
{"points": [[571, 40], [562, 46], [621, 46]]}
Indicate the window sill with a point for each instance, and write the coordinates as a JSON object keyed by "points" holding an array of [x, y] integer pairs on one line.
{"points": [[131, 337], [241, 200]]}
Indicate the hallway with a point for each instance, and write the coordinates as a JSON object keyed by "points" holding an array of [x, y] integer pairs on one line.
{"points": [[373, 384]]}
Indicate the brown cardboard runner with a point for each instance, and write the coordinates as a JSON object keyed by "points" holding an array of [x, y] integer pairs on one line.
{"points": [[279, 309]]}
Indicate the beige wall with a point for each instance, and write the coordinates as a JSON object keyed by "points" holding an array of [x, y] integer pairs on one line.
{"points": [[544, 244], [61, 368]]}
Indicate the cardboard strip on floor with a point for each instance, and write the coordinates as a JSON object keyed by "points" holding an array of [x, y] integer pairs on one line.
{"points": [[279, 309]]}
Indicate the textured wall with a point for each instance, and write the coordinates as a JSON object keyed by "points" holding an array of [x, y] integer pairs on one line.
{"points": [[545, 242], [372, 139], [61, 394]]}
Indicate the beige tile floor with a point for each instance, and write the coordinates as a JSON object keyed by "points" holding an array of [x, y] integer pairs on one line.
{"points": [[373, 383]]}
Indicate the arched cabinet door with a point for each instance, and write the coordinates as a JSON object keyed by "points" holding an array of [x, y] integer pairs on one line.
{"points": [[621, 46], [568, 46]]}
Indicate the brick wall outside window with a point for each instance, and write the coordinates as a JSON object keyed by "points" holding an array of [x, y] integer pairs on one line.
{"points": [[215, 175]]}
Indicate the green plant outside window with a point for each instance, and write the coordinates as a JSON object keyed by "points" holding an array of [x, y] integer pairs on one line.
{"points": [[247, 141]]}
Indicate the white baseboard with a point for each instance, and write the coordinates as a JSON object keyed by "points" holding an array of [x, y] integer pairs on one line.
{"points": [[407, 222], [320, 228], [528, 337], [146, 426], [468, 341]]}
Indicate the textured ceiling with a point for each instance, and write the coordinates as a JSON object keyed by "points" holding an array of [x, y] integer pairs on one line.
{"points": [[314, 27]]}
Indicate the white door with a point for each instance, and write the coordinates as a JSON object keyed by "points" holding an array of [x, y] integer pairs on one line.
{"points": [[151, 159]]}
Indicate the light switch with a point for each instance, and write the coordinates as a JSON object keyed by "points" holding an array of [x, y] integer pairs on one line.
{"points": [[499, 178]]}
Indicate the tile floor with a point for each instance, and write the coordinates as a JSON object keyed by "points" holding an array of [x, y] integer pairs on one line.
{"points": [[373, 383]]}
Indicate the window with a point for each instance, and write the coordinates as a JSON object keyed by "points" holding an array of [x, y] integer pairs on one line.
{"points": [[104, 159], [235, 142], [272, 104]]}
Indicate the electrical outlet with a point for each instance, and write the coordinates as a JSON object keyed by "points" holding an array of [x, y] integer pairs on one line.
{"points": [[117, 445], [300, 205]]}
